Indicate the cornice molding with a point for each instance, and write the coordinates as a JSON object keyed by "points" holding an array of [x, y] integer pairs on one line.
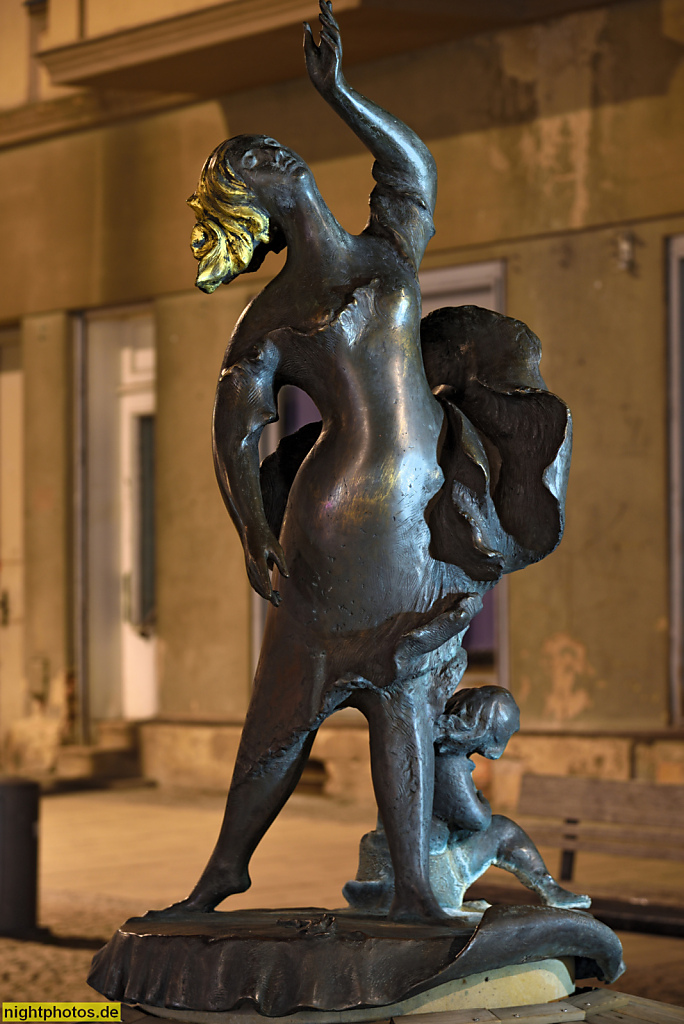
{"points": [[36, 121], [197, 30], [238, 45], [243, 44]]}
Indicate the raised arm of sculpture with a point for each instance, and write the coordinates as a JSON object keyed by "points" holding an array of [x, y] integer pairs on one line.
{"points": [[397, 150]]}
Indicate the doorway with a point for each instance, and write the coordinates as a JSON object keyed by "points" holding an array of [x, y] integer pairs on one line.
{"points": [[119, 652], [676, 417]]}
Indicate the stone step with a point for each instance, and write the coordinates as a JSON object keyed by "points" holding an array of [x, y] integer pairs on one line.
{"points": [[115, 734], [76, 761]]}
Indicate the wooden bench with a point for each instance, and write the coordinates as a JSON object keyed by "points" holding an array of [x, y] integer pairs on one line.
{"points": [[595, 1006], [628, 819], [625, 819]]}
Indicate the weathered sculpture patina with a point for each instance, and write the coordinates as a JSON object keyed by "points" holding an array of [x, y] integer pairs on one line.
{"points": [[439, 464], [465, 837], [393, 526]]}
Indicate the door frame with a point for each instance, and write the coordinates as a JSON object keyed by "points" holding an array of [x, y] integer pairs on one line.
{"points": [[675, 259], [81, 519]]}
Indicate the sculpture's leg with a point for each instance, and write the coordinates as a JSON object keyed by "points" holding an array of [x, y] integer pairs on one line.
{"points": [[402, 764], [514, 851], [254, 801], [275, 743]]}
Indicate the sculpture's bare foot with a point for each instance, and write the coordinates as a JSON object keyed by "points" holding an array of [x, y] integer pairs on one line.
{"points": [[419, 910], [475, 906], [554, 895], [205, 897], [468, 913], [179, 910]]}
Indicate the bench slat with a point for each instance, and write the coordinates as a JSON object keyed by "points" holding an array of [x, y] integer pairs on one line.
{"points": [[551, 837], [620, 802], [671, 838], [540, 1013]]}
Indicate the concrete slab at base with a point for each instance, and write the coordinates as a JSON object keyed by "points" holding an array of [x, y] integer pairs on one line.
{"points": [[517, 985]]}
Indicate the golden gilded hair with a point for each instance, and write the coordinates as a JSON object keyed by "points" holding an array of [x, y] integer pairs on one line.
{"points": [[230, 226]]}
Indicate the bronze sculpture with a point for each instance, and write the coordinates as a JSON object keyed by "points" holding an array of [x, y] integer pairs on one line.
{"points": [[373, 594], [439, 464]]}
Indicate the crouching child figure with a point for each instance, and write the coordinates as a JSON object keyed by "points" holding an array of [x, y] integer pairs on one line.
{"points": [[466, 838]]}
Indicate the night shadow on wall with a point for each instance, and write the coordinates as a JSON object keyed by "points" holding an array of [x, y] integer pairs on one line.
{"points": [[625, 57]]}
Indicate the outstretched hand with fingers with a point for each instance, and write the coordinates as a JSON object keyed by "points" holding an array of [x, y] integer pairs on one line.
{"points": [[324, 61]]}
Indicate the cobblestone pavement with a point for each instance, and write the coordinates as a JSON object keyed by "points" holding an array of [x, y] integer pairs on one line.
{"points": [[57, 969], [106, 856]]}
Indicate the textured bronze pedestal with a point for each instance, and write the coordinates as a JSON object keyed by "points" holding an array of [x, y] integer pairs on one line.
{"points": [[278, 962]]}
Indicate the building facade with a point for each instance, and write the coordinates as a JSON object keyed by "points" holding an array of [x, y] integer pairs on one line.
{"points": [[559, 138]]}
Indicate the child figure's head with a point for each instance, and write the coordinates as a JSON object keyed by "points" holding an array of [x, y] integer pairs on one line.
{"points": [[477, 720]]}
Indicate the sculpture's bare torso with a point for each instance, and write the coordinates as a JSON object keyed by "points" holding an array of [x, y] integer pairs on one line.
{"points": [[355, 533]]}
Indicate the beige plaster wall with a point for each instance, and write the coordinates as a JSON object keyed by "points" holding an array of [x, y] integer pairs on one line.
{"points": [[203, 594], [14, 54], [63, 23], [47, 390], [535, 130], [103, 16], [189, 755], [590, 624], [109, 224], [23, 32], [33, 741]]}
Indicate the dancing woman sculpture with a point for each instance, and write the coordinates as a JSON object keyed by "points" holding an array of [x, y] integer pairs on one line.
{"points": [[440, 464]]}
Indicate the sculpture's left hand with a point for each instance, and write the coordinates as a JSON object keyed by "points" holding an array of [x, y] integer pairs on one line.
{"points": [[262, 553], [324, 62]]}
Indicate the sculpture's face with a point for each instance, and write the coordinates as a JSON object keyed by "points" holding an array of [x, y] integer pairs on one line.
{"points": [[497, 736], [272, 171], [493, 748]]}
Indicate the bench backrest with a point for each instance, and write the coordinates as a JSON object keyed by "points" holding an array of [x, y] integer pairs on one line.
{"points": [[602, 800]]}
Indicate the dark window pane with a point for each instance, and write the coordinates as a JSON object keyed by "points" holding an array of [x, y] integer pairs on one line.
{"points": [[146, 551]]}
